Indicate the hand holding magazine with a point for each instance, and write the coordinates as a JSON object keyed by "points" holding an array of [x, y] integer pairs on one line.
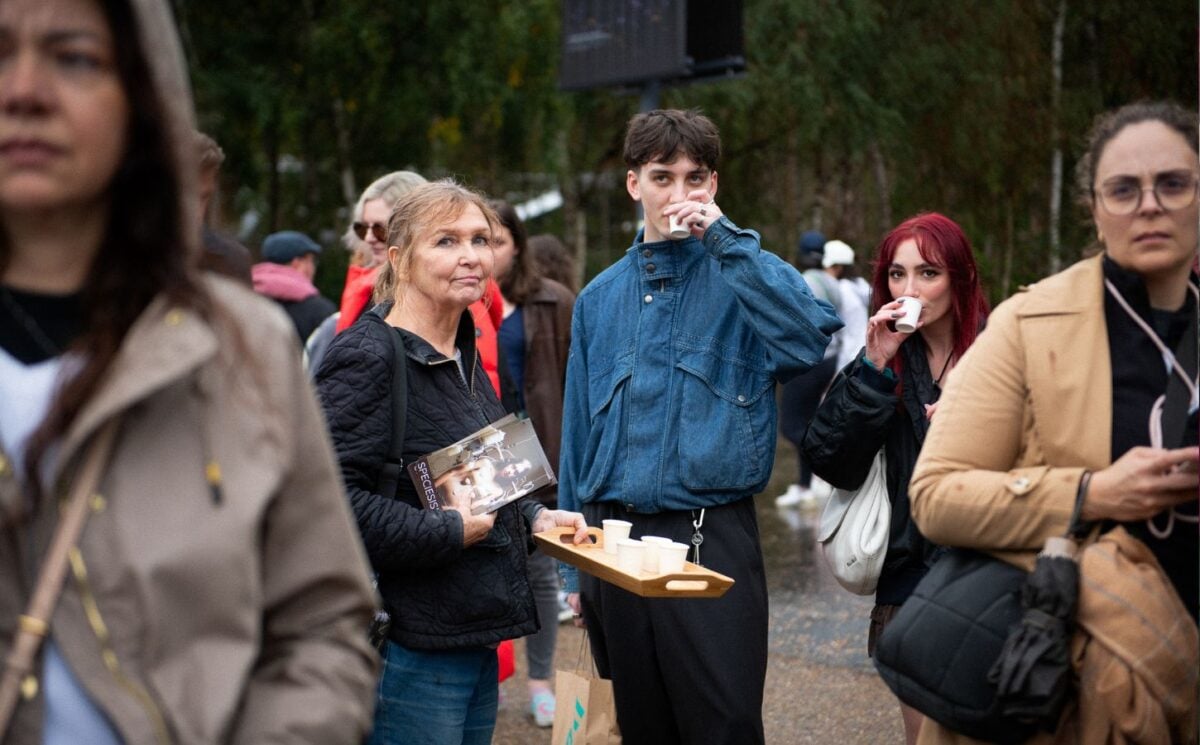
{"points": [[488, 469]]}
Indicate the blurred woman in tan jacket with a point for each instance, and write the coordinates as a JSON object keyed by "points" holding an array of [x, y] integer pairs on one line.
{"points": [[218, 593]]}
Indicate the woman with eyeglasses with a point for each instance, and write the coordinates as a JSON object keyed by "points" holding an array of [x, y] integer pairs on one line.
{"points": [[454, 583], [1077, 410], [216, 590]]}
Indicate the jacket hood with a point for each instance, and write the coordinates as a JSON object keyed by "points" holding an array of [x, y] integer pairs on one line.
{"points": [[159, 41], [280, 282]]}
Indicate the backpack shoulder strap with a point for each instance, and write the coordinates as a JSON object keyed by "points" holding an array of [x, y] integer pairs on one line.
{"points": [[389, 476]]}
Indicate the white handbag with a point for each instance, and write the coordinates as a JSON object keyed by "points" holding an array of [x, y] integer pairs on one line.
{"points": [[854, 530]]}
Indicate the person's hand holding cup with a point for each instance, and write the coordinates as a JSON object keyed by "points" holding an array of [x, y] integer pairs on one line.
{"points": [[884, 332], [692, 216], [909, 320]]}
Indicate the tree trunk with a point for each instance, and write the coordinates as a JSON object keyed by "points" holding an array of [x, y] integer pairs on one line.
{"points": [[884, 188], [346, 167], [1056, 157]]}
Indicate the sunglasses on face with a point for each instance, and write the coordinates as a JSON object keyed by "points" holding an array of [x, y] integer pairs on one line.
{"points": [[379, 230]]}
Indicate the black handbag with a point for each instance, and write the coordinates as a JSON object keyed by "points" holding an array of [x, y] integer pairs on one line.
{"points": [[936, 653]]}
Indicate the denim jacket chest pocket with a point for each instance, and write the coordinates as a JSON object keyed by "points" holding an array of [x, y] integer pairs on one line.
{"points": [[727, 422], [607, 392]]}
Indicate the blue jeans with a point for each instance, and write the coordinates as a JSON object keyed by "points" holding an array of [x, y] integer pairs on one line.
{"points": [[436, 697]]}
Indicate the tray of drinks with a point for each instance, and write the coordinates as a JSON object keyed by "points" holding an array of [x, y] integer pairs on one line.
{"points": [[642, 576]]}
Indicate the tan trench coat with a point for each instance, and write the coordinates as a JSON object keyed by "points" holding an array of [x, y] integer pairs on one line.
{"points": [[193, 616], [1027, 411]]}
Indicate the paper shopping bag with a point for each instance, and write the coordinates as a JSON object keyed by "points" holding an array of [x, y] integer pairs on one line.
{"points": [[585, 713]]}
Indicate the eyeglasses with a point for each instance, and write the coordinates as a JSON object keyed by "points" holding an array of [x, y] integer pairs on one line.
{"points": [[379, 230], [1173, 190]]}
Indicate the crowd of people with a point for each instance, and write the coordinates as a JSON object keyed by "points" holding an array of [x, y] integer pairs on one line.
{"points": [[204, 498]]}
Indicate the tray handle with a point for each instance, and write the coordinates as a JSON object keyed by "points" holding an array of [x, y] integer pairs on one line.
{"points": [[566, 535], [685, 582]]}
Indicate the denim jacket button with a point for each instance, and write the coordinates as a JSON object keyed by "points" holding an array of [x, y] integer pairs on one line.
{"points": [[629, 506], [741, 399], [649, 299], [647, 253], [650, 268]]}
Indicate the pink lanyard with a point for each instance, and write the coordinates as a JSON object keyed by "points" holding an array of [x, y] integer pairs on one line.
{"points": [[1157, 410]]}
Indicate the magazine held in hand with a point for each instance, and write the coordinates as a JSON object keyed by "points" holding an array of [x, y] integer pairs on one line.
{"points": [[498, 464]]}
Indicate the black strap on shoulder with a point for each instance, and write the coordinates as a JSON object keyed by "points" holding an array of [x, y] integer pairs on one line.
{"points": [[389, 475], [1178, 400]]}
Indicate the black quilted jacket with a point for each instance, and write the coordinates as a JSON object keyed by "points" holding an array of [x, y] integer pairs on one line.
{"points": [[860, 414], [440, 595]]}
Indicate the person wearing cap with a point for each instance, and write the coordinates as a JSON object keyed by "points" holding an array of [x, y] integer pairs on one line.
{"points": [[854, 294], [285, 275], [802, 395]]}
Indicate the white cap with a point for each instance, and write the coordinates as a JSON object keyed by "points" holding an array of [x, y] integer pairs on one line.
{"points": [[836, 253]]}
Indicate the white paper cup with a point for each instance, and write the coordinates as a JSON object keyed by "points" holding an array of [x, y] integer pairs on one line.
{"points": [[629, 555], [677, 230], [671, 557], [650, 555], [614, 531], [911, 308]]}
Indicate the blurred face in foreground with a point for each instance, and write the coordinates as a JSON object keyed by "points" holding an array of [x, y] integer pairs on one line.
{"points": [[63, 110]]}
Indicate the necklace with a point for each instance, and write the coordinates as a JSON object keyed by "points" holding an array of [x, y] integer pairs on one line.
{"points": [[32, 328], [938, 380]]}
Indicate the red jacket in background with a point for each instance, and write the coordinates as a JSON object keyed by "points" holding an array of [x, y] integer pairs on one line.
{"points": [[487, 312]]}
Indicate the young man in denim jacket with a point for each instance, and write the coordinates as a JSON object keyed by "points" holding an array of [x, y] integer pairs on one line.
{"points": [[669, 423]]}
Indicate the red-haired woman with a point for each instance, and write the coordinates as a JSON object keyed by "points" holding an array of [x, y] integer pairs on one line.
{"points": [[886, 397]]}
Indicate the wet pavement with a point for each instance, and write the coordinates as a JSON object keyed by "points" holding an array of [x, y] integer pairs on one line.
{"points": [[821, 687]]}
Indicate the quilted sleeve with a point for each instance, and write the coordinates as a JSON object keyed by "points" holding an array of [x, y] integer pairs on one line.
{"points": [[354, 384]]}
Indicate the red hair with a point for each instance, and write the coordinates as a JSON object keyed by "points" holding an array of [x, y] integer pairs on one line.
{"points": [[941, 242]]}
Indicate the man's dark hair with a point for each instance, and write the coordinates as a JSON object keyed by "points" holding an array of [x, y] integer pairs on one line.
{"points": [[663, 135]]}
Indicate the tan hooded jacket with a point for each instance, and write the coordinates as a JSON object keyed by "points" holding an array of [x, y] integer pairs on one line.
{"points": [[194, 612], [1027, 411]]}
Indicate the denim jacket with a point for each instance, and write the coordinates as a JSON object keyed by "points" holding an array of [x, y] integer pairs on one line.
{"points": [[675, 352]]}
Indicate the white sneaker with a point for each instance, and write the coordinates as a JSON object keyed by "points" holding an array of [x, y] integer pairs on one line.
{"points": [[795, 496]]}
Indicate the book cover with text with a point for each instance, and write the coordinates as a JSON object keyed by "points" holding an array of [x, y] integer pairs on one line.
{"points": [[486, 470]]}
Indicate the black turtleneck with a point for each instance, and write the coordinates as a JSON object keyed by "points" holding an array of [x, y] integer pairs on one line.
{"points": [[35, 327], [1139, 377]]}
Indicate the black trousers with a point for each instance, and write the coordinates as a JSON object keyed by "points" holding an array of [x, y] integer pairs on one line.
{"points": [[686, 670]]}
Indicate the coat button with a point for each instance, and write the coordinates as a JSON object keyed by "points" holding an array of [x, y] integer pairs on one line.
{"points": [[647, 253], [629, 506], [648, 299], [97, 503], [650, 268], [5, 471], [478, 333], [174, 318]]}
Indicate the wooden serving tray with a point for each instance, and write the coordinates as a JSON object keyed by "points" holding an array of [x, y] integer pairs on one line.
{"points": [[693, 582]]}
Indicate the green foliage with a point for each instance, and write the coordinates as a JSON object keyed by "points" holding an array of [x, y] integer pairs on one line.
{"points": [[852, 114]]}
